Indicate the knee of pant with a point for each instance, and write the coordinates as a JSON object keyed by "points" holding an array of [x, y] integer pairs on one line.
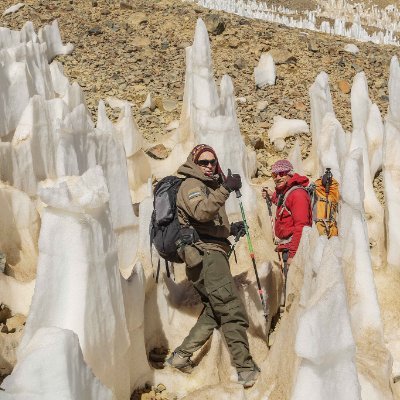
{"points": [[226, 303], [234, 318], [223, 293]]}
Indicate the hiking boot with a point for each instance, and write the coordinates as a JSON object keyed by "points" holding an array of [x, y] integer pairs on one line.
{"points": [[248, 377], [184, 364]]}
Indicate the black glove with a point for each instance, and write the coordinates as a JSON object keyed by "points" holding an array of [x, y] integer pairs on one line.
{"points": [[237, 229], [187, 235], [232, 182]]}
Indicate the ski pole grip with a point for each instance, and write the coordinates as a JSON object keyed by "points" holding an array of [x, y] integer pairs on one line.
{"points": [[238, 194], [327, 180], [237, 237]]}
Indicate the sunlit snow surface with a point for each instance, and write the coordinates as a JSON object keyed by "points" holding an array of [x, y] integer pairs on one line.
{"points": [[96, 311], [52, 367]]}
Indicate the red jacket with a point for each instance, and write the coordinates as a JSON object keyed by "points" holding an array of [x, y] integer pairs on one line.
{"points": [[289, 222]]}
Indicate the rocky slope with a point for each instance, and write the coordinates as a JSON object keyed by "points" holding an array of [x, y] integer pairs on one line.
{"points": [[133, 50]]}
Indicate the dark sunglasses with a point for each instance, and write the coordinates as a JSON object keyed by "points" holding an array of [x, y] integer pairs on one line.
{"points": [[282, 173], [204, 163]]}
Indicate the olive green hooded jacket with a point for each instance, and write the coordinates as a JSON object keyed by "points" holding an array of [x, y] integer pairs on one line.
{"points": [[201, 204]]}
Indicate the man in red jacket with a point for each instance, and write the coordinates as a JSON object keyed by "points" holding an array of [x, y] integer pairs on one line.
{"points": [[293, 206]]}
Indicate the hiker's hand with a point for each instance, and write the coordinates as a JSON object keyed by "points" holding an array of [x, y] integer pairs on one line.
{"points": [[289, 261], [188, 235], [232, 182], [237, 229], [265, 191]]}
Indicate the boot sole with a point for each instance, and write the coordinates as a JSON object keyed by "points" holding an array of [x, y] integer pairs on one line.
{"points": [[248, 384], [186, 370]]}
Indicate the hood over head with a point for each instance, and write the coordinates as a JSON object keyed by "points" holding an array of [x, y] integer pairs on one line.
{"points": [[190, 167]]}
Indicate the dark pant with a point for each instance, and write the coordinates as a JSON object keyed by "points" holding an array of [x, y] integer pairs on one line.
{"points": [[222, 309]]}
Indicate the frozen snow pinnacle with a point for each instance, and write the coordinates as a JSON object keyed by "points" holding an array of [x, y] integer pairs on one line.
{"points": [[76, 202]]}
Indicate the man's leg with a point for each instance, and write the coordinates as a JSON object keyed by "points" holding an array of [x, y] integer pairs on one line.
{"points": [[228, 308], [205, 324], [199, 334]]}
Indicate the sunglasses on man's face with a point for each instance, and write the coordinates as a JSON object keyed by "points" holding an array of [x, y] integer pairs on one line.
{"points": [[204, 163], [282, 173]]}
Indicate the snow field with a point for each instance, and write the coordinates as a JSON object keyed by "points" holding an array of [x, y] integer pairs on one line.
{"points": [[96, 310]]}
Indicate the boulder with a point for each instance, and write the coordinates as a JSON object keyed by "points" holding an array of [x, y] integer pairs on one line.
{"points": [[257, 143], [282, 56], [16, 321], [240, 63], [344, 86], [137, 19], [262, 105], [312, 45], [125, 4], [5, 313], [351, 48], [159, 152], [140, 41], [298, 105], [214, 23]]}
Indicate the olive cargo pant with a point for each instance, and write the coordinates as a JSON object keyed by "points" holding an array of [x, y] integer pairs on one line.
{"points": [[222, 309]]}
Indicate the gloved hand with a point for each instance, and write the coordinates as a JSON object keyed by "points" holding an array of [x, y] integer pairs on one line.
{"points": [[237, 229], [187, 235], [232, 182]]}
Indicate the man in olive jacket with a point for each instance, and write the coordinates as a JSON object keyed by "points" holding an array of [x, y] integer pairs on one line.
{"points": [[201, 205]]}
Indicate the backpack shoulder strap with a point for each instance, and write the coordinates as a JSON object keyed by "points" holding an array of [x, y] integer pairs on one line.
{"points": [[292, 189]]}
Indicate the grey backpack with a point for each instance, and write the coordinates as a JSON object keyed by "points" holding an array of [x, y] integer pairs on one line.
{"points": [[164, 225]]}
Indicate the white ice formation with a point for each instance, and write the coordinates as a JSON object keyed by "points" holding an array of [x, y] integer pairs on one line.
{"points": [[386, 22], [391, 174], [351, 48], [209, 116], [295, 158], [55, 356], [332, 146], [392, 165], [320, 104], [13, 8], [90, 276], [96, 312], [283, 128], [361, 108], [324, 339], [264, 73]]}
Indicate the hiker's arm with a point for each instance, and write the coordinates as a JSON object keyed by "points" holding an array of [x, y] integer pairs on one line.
{"points": [[266, 191], [274, 198], [299, 204], [204, 208]]}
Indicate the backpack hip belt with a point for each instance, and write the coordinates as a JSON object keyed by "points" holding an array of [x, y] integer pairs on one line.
{"points": [[283, 241]]}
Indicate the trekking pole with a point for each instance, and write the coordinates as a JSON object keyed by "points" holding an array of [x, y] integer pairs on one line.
{"points": [[250, 246], [327, 182], [232, 249], [285, 254], [269, 205], [285, 257]]}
